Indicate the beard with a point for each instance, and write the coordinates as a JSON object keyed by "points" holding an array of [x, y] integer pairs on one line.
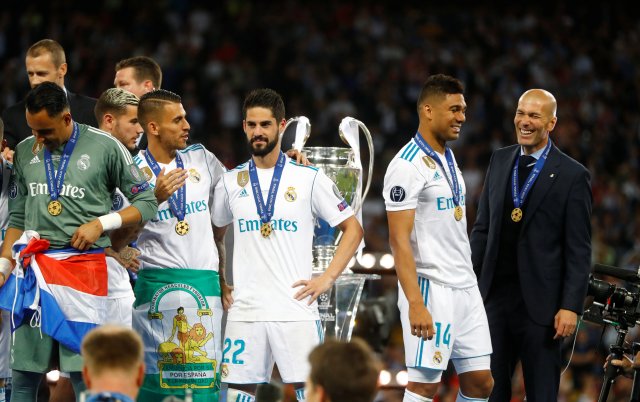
{"points": [[262, 151]]}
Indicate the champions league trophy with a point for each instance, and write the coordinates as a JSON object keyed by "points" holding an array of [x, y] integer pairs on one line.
{"points": [[338, 306]]}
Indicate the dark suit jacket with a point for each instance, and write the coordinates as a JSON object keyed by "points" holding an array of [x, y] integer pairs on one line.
{"points": [[15, 122], [554, 248]]}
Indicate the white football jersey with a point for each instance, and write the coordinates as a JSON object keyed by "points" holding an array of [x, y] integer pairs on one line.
{"points": [[440, 243], [264, 269], [160, 244]]}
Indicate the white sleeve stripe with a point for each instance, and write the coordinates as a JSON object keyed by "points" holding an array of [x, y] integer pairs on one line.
{"points": [[123, 149]]}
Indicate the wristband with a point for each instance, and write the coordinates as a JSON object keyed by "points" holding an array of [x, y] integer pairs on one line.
{"points": [[110, 221], [5, 267]]}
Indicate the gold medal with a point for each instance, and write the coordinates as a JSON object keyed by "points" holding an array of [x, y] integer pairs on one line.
{"points": [[265, 230], [516, 215], [54, 208], [458, 212], [182, 227]]}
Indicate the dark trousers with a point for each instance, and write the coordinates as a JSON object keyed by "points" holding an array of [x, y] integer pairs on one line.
{"points": [[514, 337]]}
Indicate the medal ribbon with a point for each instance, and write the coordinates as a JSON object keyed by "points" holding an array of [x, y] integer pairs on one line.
{"points": [[266, 211], [55, 180], [519, 196], [453, 181], [178, 200]]}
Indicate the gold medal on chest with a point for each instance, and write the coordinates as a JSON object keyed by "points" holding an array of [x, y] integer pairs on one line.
{"points": [[458, 212], [265, 230], [182, 227], [516, 215], [54, 208]]}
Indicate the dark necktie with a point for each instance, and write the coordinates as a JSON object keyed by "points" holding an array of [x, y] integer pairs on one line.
{"points": [[525, 164]]}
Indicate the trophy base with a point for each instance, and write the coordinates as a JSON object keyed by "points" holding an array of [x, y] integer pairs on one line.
{"points": [[338, 306]]}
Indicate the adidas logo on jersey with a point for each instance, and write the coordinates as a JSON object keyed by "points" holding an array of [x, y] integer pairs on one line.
{"points": [[437, 176], [34, 160], [243, 193]]}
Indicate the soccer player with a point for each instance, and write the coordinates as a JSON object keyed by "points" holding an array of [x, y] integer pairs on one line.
{"points": [[273, 203], [441, 310], [117, 114], [179, 263], [61, 190]]}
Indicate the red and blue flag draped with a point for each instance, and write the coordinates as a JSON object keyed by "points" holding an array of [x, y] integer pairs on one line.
{"points": [[62, 291]]}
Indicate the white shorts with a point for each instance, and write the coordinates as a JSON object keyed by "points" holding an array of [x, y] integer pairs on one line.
{"points": [[251, 348], [460, 321], [5, 345]]}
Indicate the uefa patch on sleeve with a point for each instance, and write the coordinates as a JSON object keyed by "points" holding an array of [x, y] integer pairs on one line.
{"points": [[343, 205], [138, 188], [397, 194]]}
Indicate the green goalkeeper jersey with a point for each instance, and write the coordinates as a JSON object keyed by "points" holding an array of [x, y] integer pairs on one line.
{"points": [[99, 164]]}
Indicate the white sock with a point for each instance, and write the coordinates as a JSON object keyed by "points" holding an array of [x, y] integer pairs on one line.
{"points": [[413, 397], [300, 397], [462, 398], [235, 395]]}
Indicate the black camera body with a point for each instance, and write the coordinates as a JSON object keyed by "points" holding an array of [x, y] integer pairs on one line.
{"points": [[613, 304]]}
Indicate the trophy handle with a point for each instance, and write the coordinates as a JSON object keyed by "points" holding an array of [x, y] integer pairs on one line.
{"points": [[301, 136], [367, 135]]}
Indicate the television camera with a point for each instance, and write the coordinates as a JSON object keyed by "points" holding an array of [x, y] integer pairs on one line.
{"points": [[619, 307]]}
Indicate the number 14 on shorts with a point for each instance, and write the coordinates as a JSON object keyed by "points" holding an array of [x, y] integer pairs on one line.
{"points": [[440, 337]]}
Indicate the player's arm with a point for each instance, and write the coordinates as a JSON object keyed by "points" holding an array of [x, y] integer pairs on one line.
{"points": [[17, 202], [90, 232], [351, 237], [400, 228], [6, 258]]}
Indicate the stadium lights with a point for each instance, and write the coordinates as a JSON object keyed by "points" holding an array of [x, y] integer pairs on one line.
{"points": [[385, 377], [367, 260], [402, 378], [386, 261]]}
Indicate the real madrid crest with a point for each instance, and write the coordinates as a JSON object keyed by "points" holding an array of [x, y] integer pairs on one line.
{"points": [[437, 357], [194, 176], [84, 162], [148, 174], [225, 370], [429, 162], [243, 178], [37, 147], [290, 195]]}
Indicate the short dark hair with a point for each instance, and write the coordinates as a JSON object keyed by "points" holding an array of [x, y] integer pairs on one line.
{"points": [[48, 96], [48, 46], [348, 371], [145, 68], [151, 102], [439, 85], [266, 98]]}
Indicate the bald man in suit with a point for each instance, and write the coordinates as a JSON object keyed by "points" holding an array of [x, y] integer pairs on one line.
{"points": [[531, 251]]}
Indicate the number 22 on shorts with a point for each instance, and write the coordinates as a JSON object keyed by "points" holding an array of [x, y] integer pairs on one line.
{"points": [[238, 345]]}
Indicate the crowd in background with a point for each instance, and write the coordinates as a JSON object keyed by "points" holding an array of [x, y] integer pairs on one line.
{"points": [[368, 60]]}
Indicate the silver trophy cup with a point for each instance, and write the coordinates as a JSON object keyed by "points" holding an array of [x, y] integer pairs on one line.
{"points": [[338, 306]]}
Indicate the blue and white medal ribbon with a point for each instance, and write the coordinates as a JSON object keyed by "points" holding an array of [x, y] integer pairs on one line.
{"points": [[55, 180], [178, 200], [266, 211], [519, 196], [453, 181]]}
